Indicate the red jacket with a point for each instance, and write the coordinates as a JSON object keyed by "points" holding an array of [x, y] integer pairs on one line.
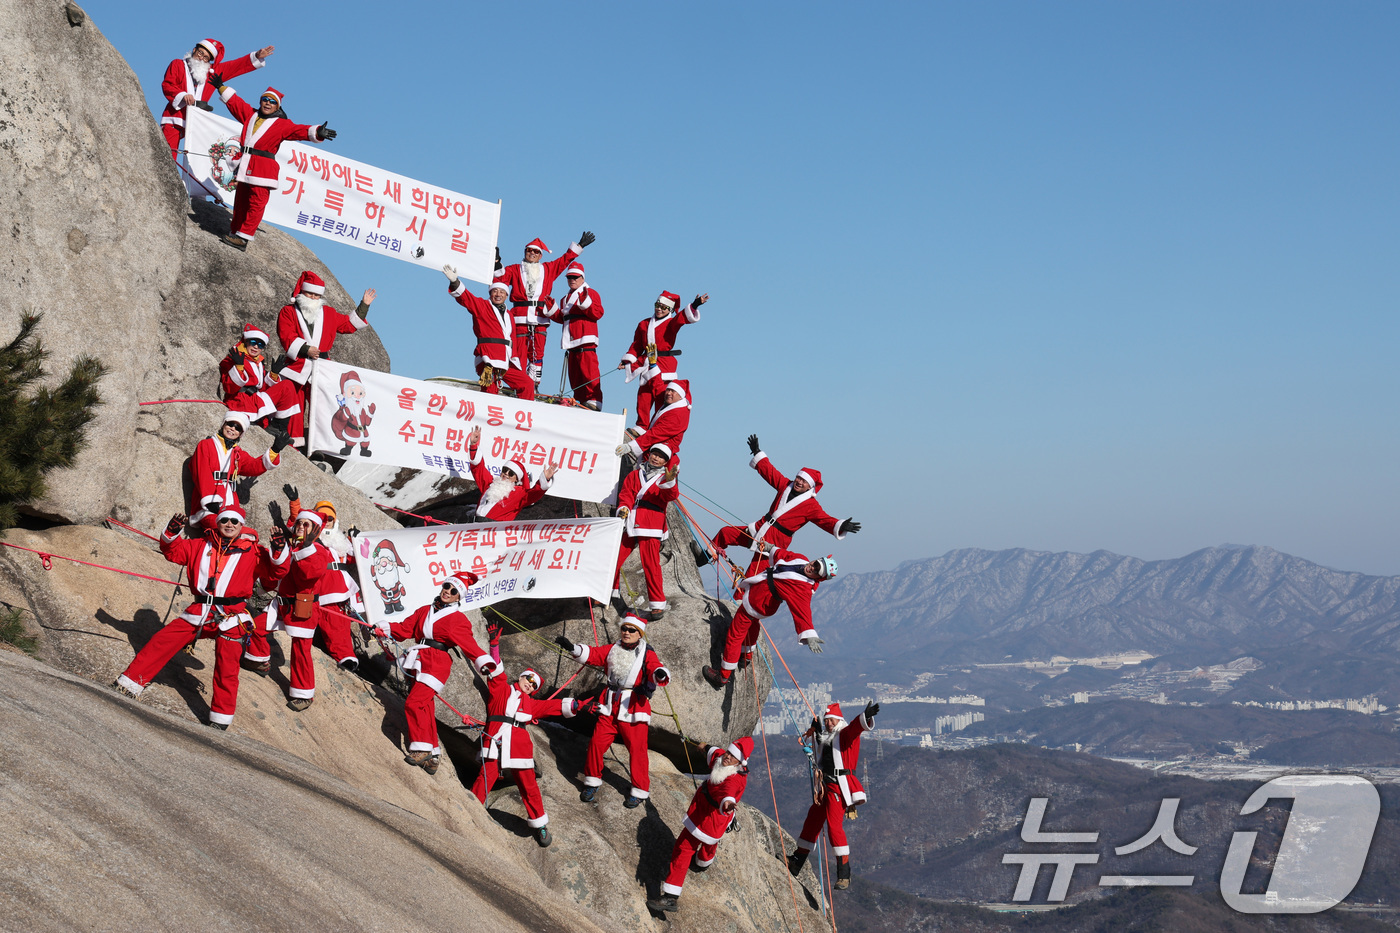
{"points": [[526, 307], [221, 574], [216, 468], [294, 334], [705, 819], [840, 772], [633, 673], [260, 138], [508, 741], [490, 324], [579, 312], [788, 513], [668, 424], [447, 626], [764, 593], [645, 499], [236, 376], [503, 510], [179, 85], [661, 332]]}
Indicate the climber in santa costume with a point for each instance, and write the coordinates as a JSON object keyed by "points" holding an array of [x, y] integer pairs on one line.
{"points": [[435, 629], [668, 424], [653, 353], [335, 541], [491, 323], [838, 793], [789, 578], [580, 312], [220, 567], [307, 329], [218, 464], [506, 745], [531, 283], [503, 496], [264, 130], [711, 811], [186, 83], [641, 504], [634, 671], [249, 385], [794, 506]]}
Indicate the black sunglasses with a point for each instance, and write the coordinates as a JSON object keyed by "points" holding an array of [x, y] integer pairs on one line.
{"points": [[631, 630]]}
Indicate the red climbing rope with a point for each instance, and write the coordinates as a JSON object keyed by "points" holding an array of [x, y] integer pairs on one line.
{"points": [[435, 521], [47, 560], [113, 521]]}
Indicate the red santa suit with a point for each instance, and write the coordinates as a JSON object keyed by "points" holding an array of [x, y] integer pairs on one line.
{"points": [[506, 744], [711, 811], [785, 517], [216, 466], [351, 421], [297, 334], [840, 754], [580, 312], [531, 283], [645, 494], [257, 168], [182, 89], [669, 424], [249, 386], [761, 595], [507, 507], [220, 574], [653, 353], [435, 630], [624, 706], [492, 327]]}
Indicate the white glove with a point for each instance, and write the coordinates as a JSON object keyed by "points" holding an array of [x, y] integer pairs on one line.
{"points": [[450, 271], [815, 644], [622, 450]]}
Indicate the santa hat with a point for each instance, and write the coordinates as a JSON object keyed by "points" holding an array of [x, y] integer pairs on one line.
{"points": [[683, 387], [575, 268], [530, 672], [517, 466], [308, 281], [833, 711], [214, 47], [505, 285], [387, 545], [538, 244], [633, 619], [462, 581], [669, 299], [251, 332], [240, 418], [312, 516], [665, 451], [232, 510], [273, 92], [348, 377], [740, 748], [813, 478]]}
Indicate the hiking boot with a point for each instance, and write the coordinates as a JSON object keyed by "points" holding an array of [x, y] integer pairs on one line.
{"points": [[716, 679], [543, 838], [221, 726], [118, 686], [796, 860], [744, 661], [236, 241], [432, 764], [696, 866], [843, 873], [261, 668], [587, 794], [666, 903], [655, 615], [702, 556], [420, 759], [632, 802], [349, 664], [299, 704]]}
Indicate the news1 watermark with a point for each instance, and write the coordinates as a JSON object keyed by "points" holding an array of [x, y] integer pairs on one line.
{"points": [[1318, 862]]}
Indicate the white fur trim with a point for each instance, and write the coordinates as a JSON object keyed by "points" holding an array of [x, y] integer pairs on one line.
{"points": [[419, 747], [705, 862], [297, 631], [691, 314], [536, 824], [256, 657], [222, 719], [358, 322], [698, 834], [297, 693], [805, 845], [590, 781], [431, 682], [130, 684], [669, 888], [838, 532], [638, 792], [841, 850]]}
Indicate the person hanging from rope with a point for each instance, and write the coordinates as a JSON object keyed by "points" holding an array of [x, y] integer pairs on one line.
{"points": [[436, 629], [711, 811], [838, 792], [506, 745], [794, 506], [221, 566], [309, 585], [491, 323], [218, 464], [789, 578], [653, 353], [256, 168], [641, 504], [531, 283], [624, 707], [668, 424], [580, 312], [187, 83], [249, 385], [307, 328]]}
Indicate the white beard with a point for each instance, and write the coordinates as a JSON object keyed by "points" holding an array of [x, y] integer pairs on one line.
{"points": [[722, 772], [355, 406], [386, 578], [620, 661], [498, 490], [533, 273], [825, 738], [310, 308], [198, 70], [335, 539]]}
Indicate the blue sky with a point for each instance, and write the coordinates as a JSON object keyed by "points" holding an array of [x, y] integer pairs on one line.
{"points": [[1059, 276]]}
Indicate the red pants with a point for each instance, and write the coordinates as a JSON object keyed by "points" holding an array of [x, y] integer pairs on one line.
{"points": [[583, 372], [742, 636], [515, 378], [650, 549], [419, 709], [686, 846], [249, 202], [634, 736], [173, 134], [645, 401], [524, 779], [177, 634], [280, 399], [527, 343], [334, 627], [832, 812], [731, 535]]}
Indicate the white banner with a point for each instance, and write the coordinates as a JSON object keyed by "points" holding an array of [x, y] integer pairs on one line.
{"points": [[350, 202], [424, 426], [404, 569]]}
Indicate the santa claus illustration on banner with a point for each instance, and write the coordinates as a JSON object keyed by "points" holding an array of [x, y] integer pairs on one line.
{"points": [[350, 424], [384, 567]]}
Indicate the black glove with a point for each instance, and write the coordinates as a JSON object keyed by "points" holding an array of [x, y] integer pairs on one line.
{"points": [[279, 538], [249, 390], [816, 725], [203, 105], [871, 709], [753, 444], [280, 439], [351, 531], [563, 642], [586, 238], [217, 81], [849, 527], [324, 132], [290, 491], [499, 266], [648, 689], [177, 521]]}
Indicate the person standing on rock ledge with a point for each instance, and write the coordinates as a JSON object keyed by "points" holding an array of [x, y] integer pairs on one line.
{"points": [[264, 130], [531, 283], [641, 504], [491, 323], [249, 385], [187, 83], [218, 463], [580, 312], [711, 811], [221, 567], [668, 424], [839, 792], [307, 329], [652, 355]]}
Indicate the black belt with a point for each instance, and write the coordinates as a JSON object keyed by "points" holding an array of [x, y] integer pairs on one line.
{"points": [[223, 476], [668, 352], [577, 317], [434, 643], [772, 587], [340, 565], [259, 152], [210, 600], [651, 506], [509, 719], [492, 340], [527, 304], [769, 519], [840, 771]]}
